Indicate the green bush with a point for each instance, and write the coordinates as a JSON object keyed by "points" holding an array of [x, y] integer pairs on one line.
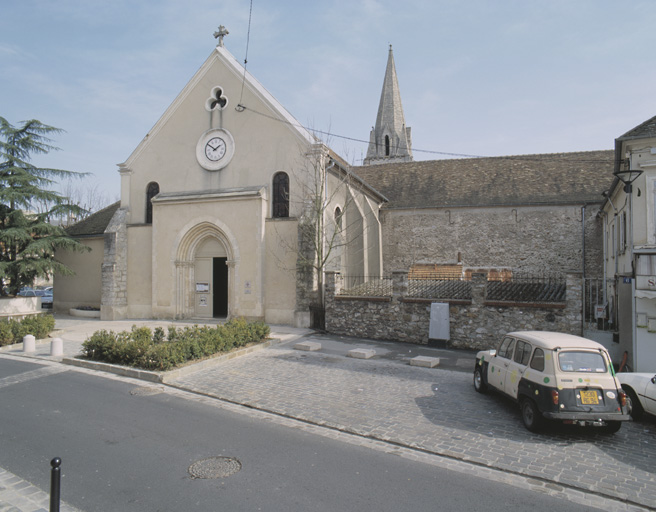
{"points": [[154, 351], [12, 331]]}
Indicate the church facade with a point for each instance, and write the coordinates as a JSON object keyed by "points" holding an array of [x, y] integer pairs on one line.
{"points": [[229, 207]]}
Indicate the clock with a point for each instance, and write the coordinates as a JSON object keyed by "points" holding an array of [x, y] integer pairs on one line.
{"points": [[215, 149]]}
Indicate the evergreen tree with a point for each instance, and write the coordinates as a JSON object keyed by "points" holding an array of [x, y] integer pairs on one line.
{"points": [[27, 240]]}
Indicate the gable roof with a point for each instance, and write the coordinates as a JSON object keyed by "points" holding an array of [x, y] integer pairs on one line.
{"points": [[95, 224], [642, 131], [558, 178], [231, 64]]}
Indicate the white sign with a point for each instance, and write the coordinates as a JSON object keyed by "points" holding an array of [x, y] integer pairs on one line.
{"points": [[646, 282]]}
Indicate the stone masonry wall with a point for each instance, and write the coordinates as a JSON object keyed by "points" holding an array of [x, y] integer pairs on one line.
{"points": [[535, 240], [476, 325], [114, 297]]}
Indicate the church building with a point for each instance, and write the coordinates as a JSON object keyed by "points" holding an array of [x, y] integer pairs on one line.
{"points": [[230, 207]]}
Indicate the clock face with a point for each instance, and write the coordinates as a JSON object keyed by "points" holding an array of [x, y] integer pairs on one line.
{"points": [[215, 149]]}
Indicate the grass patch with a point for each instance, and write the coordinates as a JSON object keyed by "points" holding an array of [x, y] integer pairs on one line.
{"points": [[160, 351]]}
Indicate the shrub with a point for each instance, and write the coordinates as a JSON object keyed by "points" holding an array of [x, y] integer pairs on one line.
{"points": [[153, 351], [13, 331]]}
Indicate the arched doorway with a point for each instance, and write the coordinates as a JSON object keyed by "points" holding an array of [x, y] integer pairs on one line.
{"points": [[211, 276], [205, 271]]}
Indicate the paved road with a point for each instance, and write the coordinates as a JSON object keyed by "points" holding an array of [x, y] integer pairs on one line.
{"points": [[429, 411], [157, 448]]}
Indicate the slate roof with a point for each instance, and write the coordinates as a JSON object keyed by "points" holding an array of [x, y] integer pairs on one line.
{"points": [[642, 131], [95, 224], [558, 178]]}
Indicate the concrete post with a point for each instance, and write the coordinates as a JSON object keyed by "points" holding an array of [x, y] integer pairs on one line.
{"points": [[57, 347], [29, 343]]}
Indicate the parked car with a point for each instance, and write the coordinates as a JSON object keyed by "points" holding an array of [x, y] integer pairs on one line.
{"points": [[641, 390], [46, 296], [554, 376]]}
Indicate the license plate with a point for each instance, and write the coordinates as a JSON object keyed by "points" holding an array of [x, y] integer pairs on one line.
{"points": [[589, 398]]}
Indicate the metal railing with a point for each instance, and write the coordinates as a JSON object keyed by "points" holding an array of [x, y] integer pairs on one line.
{"points": [[598, 300], [444, 289], [529, 289], [358, 286]]}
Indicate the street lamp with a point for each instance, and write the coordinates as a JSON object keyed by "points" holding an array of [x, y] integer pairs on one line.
{"points": [[627, 177]]}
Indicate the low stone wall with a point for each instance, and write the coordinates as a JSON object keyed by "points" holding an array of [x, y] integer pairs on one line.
{"points": [[474, 324]]}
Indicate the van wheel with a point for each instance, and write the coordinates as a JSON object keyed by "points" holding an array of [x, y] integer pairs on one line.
{"points": [[479, 383], [531, 417], [611, 427]]}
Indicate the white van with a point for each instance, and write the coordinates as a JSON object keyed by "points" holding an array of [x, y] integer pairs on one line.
{"points": [[554, 376]]}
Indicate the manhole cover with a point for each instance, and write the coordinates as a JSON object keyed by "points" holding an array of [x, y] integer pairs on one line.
{"points": [[145, 390], [214, 467]]}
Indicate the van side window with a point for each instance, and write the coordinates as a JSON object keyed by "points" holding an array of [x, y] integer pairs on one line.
{"points": [[506, 348], [522, 353], [537, 363]]}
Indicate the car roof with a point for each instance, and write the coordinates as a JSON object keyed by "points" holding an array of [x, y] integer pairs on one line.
{"points": [[552, 340]]}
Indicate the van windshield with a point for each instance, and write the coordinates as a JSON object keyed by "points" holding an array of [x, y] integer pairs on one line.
{"points": [[580, 361]]}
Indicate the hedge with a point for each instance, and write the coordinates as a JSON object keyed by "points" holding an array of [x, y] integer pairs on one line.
{"points": [[160, 351], [12, 331]]}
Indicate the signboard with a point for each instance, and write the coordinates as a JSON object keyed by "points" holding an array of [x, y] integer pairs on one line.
{"points": [[600, 311], [202, 287]]}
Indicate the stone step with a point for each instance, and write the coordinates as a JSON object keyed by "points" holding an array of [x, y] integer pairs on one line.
{"points": [[362, 353], [425, 361], [311, 346]]}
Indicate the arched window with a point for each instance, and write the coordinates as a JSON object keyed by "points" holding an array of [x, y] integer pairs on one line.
{"points": [[338, 217], [280, 195], [151, 191], [387, 145]]}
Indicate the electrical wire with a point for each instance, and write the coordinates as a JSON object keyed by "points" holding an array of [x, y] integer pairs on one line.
{"points": [[427, 151], [240, 107]]}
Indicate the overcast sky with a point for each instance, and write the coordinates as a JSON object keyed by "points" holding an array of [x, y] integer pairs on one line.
{"points": [[488, 78]]}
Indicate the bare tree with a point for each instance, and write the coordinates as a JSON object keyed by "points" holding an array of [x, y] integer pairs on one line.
{"points": [[90, 198], [329, 222]]}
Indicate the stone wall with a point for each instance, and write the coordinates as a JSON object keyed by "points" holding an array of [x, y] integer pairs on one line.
{"points": [[531, 239], [114, 298], [474, 324]]}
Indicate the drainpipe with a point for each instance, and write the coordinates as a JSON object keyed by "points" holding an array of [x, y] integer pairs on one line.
{"points": [[584, 294]]}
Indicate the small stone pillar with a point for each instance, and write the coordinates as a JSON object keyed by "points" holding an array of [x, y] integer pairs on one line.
{"points": [[399, 285], [574, 302], [479, 285], [29, 343], [57, 347], [333, 284]]}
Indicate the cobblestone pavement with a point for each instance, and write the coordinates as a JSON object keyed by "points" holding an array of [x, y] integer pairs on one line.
{"points": [[432, 415], [17, 495], [434, 410]]}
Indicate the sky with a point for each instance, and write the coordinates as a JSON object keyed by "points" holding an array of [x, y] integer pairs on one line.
{"points": [[477, 77]]}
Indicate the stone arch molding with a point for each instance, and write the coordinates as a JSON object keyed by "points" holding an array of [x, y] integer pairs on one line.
{"points": [[184, 252]]}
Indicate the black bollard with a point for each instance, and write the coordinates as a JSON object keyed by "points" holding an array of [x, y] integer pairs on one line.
{"points": [[55, 481]]}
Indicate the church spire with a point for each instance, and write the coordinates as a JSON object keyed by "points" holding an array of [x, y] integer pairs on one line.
{"points": [[390, 139]]}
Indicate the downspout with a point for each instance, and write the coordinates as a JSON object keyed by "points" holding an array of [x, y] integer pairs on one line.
{"points": [[583, 295]]}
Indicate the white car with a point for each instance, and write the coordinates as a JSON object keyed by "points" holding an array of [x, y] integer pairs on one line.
{"points": [[641, 389]]}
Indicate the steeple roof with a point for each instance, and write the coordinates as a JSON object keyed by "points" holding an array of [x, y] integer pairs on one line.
{"points": [[390, 139]]}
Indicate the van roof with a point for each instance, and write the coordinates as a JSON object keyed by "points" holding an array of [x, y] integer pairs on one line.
{"points": [[552, 340]]}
